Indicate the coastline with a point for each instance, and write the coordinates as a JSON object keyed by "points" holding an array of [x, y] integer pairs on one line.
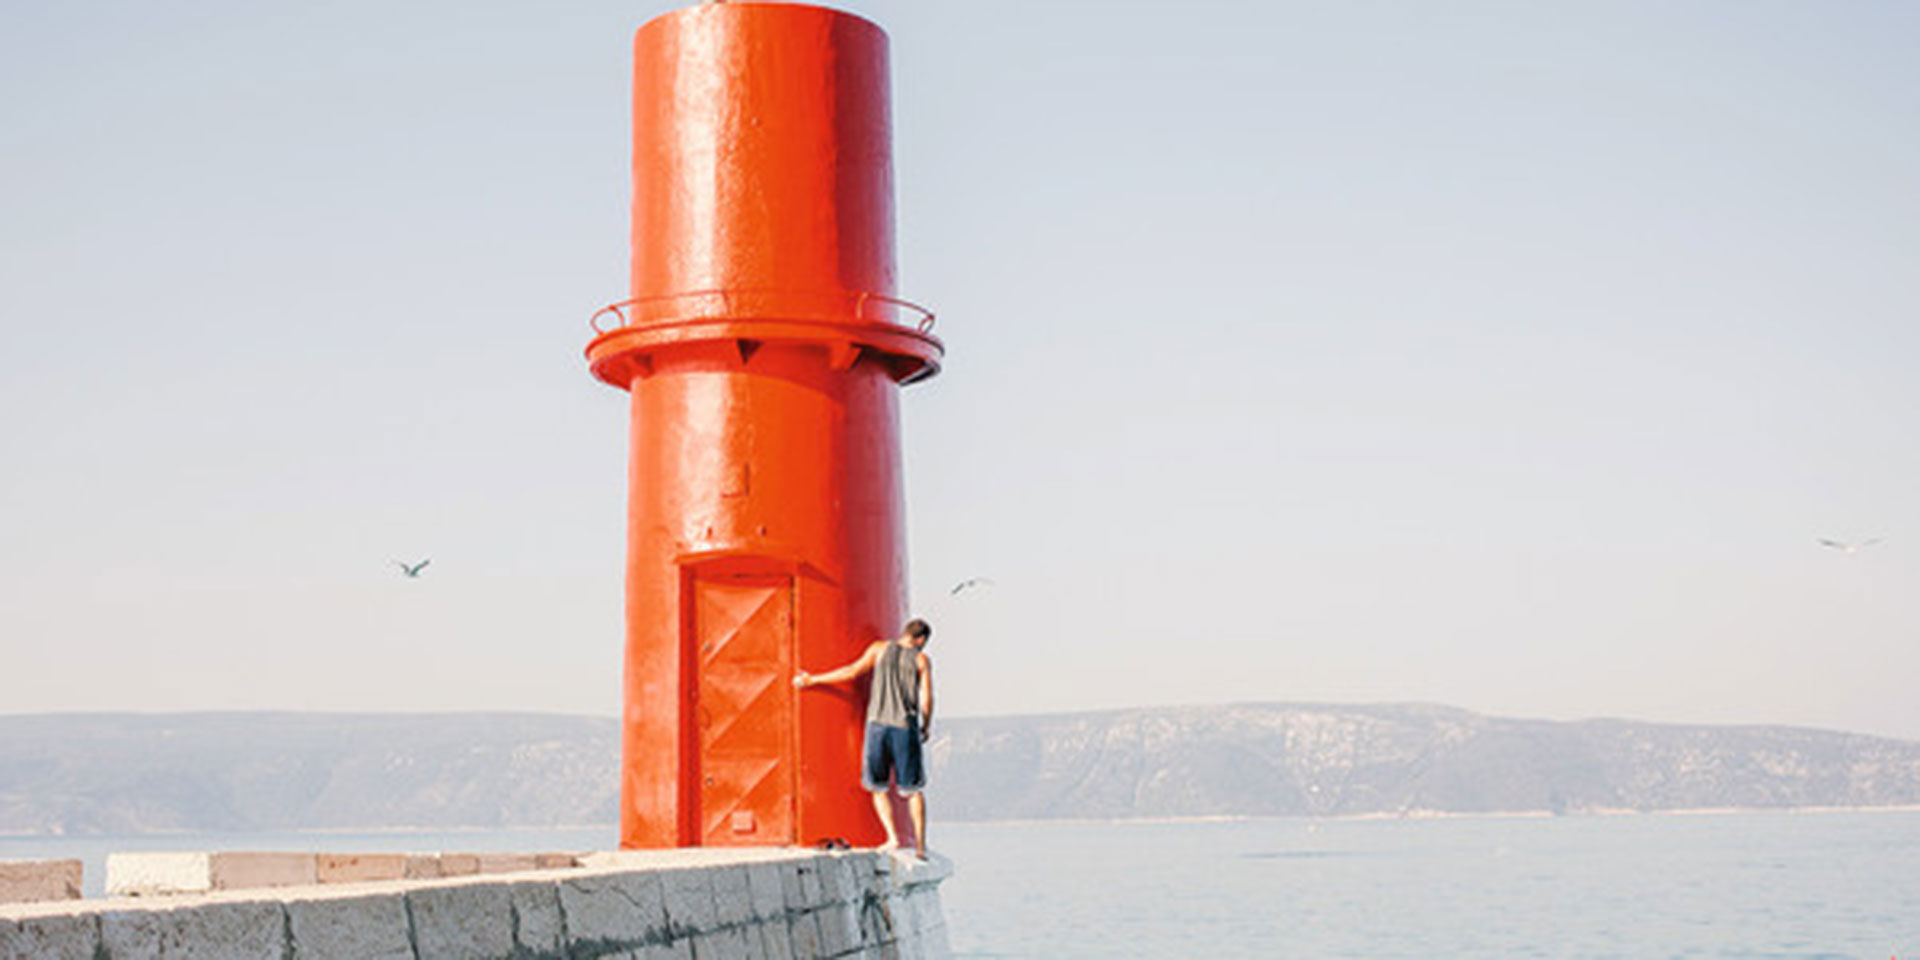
{"points": [[1421, 814], [1413, 814]]}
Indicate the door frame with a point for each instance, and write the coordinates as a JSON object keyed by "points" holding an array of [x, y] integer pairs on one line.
{"points": [[726, 565]]}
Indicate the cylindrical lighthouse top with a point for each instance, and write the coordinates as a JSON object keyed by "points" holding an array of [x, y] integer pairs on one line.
{"points": [[762, 153], [763, 187]]}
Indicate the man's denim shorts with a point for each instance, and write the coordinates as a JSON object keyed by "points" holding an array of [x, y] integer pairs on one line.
{"points": [[895, 752]]}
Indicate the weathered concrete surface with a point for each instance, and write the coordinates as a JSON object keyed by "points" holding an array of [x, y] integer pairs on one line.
{"points": [[216, 931], [359, 867], [55, 937], [141, 874], [159, 874], [35, 881], [370, 925], [682, 904]]}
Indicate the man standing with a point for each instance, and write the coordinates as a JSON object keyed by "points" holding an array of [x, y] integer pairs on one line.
{"points": [[899, 720]]}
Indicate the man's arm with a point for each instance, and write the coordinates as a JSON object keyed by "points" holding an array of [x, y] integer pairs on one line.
{"points": [[858, 667], [925, 663]]}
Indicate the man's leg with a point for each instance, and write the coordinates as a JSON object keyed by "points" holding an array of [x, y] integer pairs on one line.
{"points": [[877, 771], [911, 776], [883, 805], [917, 809]]}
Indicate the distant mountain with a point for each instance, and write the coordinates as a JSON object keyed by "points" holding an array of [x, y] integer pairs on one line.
{"points": [[1277, 759], [133, 773], [136, 773]]}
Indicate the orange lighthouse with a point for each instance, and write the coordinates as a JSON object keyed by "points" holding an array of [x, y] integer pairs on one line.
{"points": [[763, 348]]}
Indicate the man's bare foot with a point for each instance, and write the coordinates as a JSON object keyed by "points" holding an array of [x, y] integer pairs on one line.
{"points": [[893, 843], [920, 852]]}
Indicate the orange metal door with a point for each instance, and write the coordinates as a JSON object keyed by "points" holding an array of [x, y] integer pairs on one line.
{"points": [[743, 710]]}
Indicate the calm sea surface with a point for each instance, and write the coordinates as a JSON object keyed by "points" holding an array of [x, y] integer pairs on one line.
{"points": [[1719, 885], [1773, 885]]}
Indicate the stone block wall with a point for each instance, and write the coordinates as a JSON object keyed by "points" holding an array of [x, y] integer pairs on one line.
{"points": [[682, 904], [151, 874], [32, 881]]}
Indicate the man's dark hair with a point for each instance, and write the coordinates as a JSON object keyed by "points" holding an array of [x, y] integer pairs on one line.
{"points": [[919, 629]]}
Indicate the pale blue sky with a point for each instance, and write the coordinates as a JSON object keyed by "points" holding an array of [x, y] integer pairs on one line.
{"points": [[1504, 355]]}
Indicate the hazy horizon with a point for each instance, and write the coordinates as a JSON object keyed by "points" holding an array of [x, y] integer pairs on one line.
{"points": [[1509, 358], [1022, 715]]}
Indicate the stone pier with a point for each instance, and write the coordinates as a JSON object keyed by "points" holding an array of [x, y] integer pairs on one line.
{"points": [[692, 904]]}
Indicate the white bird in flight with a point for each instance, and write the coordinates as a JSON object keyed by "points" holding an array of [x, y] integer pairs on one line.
{"points": [[1845, 547], [413, 571], [969, 584]]}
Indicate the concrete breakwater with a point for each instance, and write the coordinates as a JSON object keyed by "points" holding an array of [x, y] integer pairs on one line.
{"points": [[685, 904]]}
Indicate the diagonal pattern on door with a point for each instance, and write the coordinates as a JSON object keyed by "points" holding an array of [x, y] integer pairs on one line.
{"points": [[743, 632]]}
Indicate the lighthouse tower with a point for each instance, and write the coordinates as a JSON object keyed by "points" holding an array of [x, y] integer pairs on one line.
{"points": [[763, 348]]}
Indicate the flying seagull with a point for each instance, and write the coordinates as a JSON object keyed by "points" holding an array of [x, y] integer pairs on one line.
{"points": [[969, 584], [414, 570], [1845, 547]]}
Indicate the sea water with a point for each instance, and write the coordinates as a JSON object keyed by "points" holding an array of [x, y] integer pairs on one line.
{"points": [[1774, 885]]}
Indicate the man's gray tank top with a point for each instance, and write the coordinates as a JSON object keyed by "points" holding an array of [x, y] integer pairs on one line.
{"points": [[895, 698]]}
